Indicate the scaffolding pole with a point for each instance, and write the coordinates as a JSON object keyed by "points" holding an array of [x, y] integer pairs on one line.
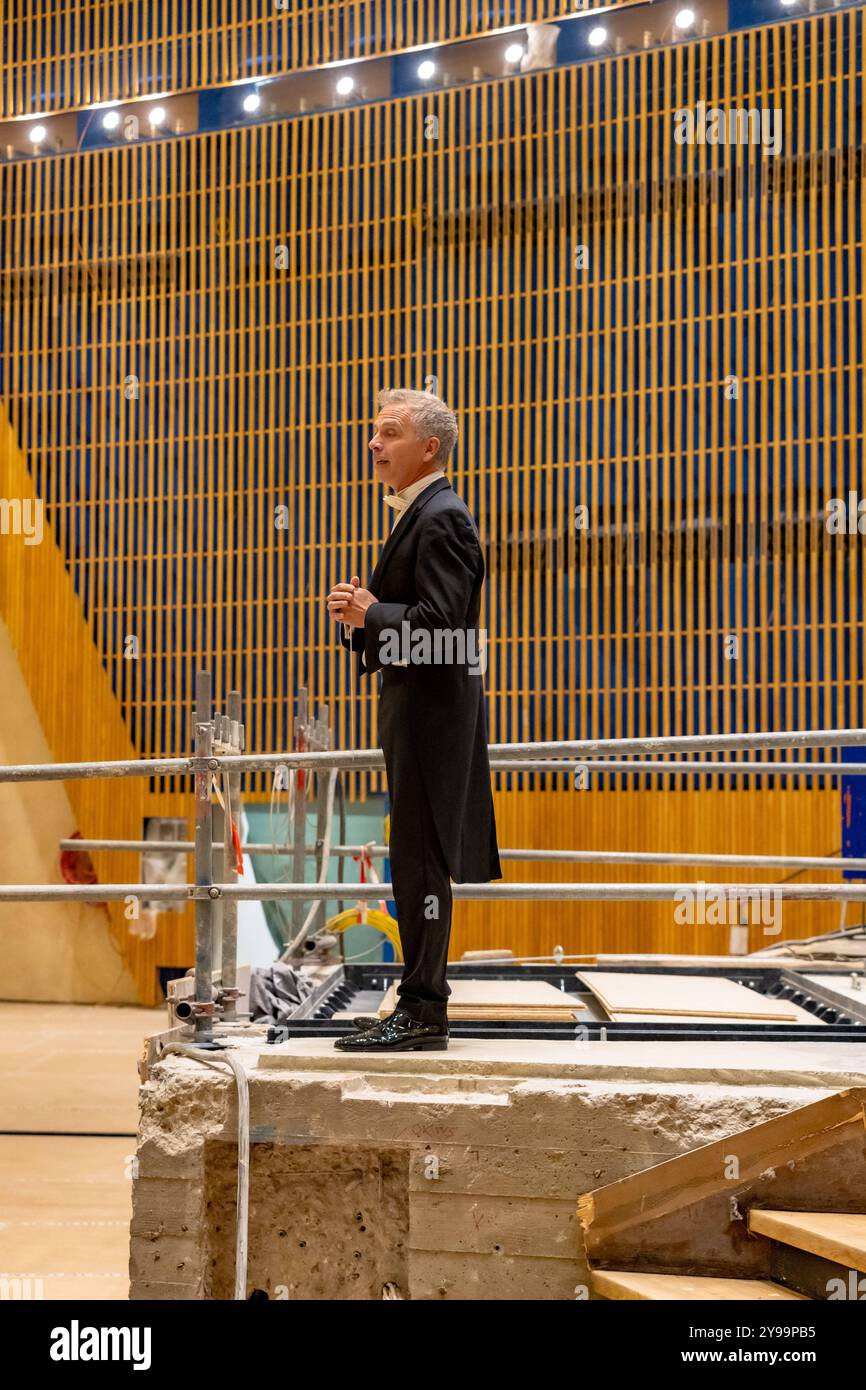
{"points": [[229, 975], [601, 891], [504, 755], [564, 856], [204, 1003]]}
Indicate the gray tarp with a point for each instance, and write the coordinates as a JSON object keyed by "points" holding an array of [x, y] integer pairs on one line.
{"points": [[275, 993]]}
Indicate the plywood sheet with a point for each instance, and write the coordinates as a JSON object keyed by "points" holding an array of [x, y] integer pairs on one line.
{"points": [[469, 1014], [709, 1018], [624, 995], [500, 1000], [465, 1013]]}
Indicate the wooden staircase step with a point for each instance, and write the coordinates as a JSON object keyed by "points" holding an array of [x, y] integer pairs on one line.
{"points": [[835, 1236], [630, 1284]]}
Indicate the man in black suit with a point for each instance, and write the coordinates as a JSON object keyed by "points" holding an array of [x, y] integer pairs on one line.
{"points": [[417, 625]]}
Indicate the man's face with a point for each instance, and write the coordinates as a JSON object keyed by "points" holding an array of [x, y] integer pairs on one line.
{"points": [[399, 456]]}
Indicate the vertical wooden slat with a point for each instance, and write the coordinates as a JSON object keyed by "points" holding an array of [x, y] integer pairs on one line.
{"points": [[232, 418]]}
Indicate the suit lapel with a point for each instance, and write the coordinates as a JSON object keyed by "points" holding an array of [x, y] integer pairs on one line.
{"points": [[403, 528]]}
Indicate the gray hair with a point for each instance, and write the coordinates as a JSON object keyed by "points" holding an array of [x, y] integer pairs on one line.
{"points": [[431, 416]]}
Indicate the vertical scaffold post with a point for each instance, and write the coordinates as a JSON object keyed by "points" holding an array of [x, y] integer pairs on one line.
{"points": [[203, 862], [218, 834], [299, 827], [230, 908], [323, 744]]}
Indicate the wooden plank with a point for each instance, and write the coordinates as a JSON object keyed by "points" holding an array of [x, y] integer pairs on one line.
{"points": [[468, 1014], [681, 995], [499, 1000], [623, 1284], [839, 1236], [515, 993], [803, 1017]]}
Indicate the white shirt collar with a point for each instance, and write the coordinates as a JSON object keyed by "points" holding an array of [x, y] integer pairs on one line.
{"points": [[399, 501]]}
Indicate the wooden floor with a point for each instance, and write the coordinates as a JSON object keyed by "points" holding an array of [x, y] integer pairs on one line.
{"points": [[68, 1116]]}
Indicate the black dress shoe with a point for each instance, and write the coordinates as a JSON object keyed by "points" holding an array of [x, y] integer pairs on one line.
{"points": [[366, 1021], [399, 1033]]}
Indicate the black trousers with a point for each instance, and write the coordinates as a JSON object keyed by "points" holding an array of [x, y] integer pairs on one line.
{"points": [[422, 892]]}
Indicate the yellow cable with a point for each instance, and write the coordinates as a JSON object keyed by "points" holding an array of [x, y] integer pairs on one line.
{"points": [[382, 921]]}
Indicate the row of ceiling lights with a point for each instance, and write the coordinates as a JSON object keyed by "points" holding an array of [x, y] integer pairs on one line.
{"points": [[427, 69]]}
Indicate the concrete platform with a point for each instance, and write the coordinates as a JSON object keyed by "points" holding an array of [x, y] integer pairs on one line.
{"points": [[789, 1064], [430, 1175]]}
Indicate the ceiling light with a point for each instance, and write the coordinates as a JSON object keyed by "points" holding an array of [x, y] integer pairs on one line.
{"points": [[345, 86], [597, 37], [157, 116], [684, 19], [252, 101], [426, 70], [38, 134], [514, 53], [111, 120]]}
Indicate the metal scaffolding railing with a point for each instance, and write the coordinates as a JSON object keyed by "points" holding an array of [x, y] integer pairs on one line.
{"points": [[372, 892], [504, 757], [219, 749], [559, 856]]}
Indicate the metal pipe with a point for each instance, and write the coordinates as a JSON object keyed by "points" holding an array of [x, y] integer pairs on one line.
{"points": [[203, 861], [188, 846], [587, 748], [299, 819], [317, 910], [229, 976], [614, 768], [212, 1059], [360, 759], [67, 772], [588, 892], [325, 788], [752, 861], [267, 892], [565, 856], [218, 875], [95, 892], [845, 934]]}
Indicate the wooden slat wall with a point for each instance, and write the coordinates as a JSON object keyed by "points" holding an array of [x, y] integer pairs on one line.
{"points": [[81, 718], [256, 387]]}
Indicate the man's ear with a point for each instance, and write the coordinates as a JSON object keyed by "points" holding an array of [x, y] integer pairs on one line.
{"points": [[430, 455]]}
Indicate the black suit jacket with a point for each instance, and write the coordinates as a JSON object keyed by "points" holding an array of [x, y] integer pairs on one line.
{"points": [[433, 716]]}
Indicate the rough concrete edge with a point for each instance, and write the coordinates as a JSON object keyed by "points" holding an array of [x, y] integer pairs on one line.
{"points": [[563, 1071]]}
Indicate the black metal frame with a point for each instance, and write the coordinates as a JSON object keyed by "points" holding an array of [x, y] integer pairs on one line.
{"points": [[838, 1019]]}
